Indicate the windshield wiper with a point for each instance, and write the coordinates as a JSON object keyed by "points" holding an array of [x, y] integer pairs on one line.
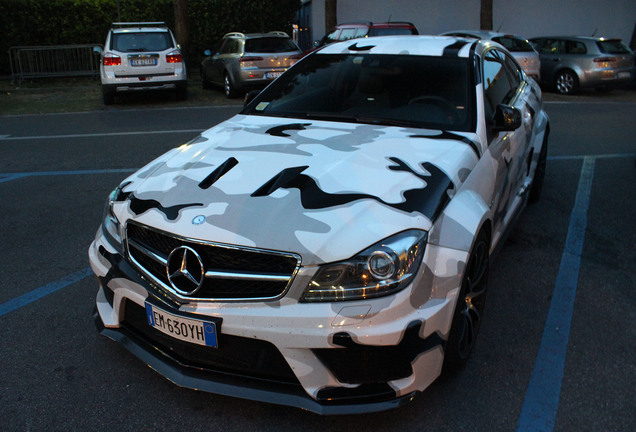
{"points": [[365, 119]]}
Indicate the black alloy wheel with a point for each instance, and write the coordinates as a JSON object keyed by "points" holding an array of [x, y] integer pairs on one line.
{"points": [[470, 306]]}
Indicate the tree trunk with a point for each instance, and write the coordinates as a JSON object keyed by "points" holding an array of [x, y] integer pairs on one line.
{"points": [[485, 18], [181, 24], [331, 15]]}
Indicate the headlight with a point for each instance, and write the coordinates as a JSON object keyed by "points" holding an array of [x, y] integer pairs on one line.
{"points": [[110, 223], [382, 269]]}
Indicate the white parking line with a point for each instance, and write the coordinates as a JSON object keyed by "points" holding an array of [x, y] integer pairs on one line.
{"points": [[93, 135], [6, 177], [541, 402]]}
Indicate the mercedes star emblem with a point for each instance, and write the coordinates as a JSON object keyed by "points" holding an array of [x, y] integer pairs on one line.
{"points": [[185, 270]]}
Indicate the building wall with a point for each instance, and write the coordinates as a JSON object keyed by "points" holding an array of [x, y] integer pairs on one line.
{"points": [[609, 18]]}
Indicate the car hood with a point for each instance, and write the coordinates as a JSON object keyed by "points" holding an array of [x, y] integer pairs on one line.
{"points": [[323, 190]]}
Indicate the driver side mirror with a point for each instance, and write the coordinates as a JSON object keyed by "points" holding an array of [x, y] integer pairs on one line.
{"points": [[506, 118]]}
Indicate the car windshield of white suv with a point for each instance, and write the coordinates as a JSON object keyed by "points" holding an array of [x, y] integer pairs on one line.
{"points": [[270, 45], [394, 90], [141, 42]]}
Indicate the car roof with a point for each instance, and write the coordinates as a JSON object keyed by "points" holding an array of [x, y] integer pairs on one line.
{"points": [[483, 34], [279, 34], [377, 25], [415, 45], [128, 27], [587, 38]]}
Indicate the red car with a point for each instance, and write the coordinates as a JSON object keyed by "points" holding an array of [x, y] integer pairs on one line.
{"points": [[354, 30]]}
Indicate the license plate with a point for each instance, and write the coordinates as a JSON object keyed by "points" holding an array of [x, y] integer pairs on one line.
{"points": [[622, 75], [186, 329], [143, 62], [272, 75]]}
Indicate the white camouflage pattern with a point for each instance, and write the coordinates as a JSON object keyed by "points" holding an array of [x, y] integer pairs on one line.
{"points": [[374, 166]]}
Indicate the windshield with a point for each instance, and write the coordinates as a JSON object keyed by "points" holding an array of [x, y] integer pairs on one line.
{"points": [[612, 46], [269, 45], [388, 31], [399, 90], [514, 44]]}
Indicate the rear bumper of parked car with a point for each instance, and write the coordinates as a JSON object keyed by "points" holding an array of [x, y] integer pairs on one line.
{"points": [[146, 82], [607, 77], [329, 358], [258, 77]]}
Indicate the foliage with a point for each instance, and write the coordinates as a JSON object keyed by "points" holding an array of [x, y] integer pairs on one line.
{"points": [[69, 22]]}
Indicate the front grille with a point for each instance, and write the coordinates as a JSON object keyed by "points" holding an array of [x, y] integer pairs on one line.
{"points": [[239, 273], [237, 355]]}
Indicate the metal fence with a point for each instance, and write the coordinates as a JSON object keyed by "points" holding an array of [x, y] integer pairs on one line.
{"points": [[53, 61]]}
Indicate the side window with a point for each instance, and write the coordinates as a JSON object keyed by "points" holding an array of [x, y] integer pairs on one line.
{"points": [[227, 45], [516, 76], [330, 38], [575, 47], [347, 33], [362, 32], [497, 86], [553, 46]]}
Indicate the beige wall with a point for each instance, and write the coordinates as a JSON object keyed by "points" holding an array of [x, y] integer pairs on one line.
{"points": [[610, 18]]}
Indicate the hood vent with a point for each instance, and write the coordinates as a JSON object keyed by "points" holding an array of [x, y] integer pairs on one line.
{"points": [[219, 172]]}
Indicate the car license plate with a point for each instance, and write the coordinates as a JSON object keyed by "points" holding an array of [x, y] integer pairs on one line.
{"points": [[272, 75], [143, 62], [622, 75], [186, 329]]}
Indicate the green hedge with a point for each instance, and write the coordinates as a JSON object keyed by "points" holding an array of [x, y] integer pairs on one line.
{"points": [[69, 22]]}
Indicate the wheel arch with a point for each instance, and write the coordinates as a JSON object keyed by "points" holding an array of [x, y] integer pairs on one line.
{"points": [[460, 222]]}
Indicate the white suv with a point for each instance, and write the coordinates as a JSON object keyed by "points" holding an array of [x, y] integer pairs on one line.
{"points": [[141, 56]]}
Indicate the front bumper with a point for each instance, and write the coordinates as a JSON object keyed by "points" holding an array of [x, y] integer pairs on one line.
{"points": [[351, 357]]}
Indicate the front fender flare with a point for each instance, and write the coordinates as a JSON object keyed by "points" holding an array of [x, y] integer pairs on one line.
{"points": [[461, 220]]}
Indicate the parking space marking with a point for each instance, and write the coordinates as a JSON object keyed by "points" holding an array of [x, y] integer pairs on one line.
{"points": [[93, 135], [6, 177], [541, 402], [43, 291]]}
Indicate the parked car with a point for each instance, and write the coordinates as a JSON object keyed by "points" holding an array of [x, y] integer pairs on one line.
{"points": [[518, 46], [354, 30], [243, 61], [569, 63], [329, 247], [141, 56]]}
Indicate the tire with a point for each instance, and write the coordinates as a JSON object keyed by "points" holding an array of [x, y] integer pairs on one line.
{"points": [[470, 305], [109, 95], [566, 82], [539, 172], [228, 87]]}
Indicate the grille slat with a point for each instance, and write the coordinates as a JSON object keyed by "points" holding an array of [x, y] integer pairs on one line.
{"points": [[149, 250]]}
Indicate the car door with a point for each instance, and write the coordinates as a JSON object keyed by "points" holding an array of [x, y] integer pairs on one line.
{"points": [[551, 52], [221, 59], [505, 83]]}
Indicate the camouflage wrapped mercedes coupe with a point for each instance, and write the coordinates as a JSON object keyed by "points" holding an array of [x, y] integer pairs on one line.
{"points": [[328, 248]]}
